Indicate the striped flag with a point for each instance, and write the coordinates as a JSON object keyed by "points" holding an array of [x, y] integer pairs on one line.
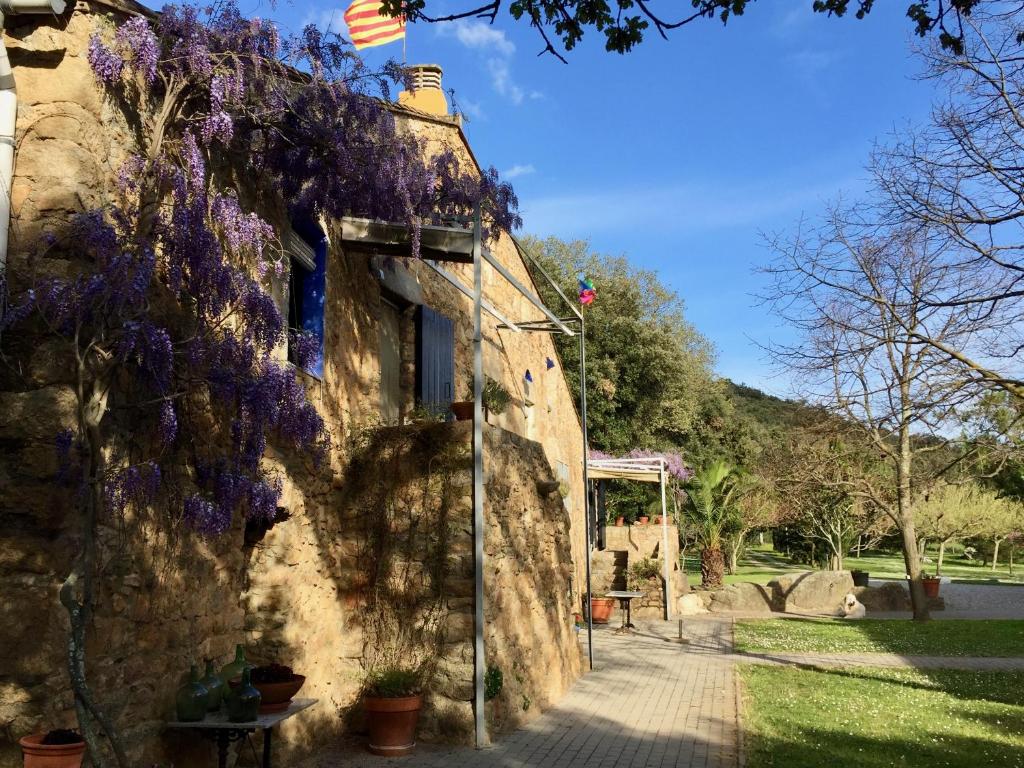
{"points": [[368, 27]]}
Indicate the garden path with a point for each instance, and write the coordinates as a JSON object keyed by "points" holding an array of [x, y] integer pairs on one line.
{"points": [[649, 703]]}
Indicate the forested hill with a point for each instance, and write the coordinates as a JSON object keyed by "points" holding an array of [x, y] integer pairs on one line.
{"points": [[769, 411]]}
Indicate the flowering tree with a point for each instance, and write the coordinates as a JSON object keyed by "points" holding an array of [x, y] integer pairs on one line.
{"points": [[167, 316]]}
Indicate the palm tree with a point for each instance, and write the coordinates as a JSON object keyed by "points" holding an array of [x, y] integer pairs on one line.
{"points": [[711, 510]]}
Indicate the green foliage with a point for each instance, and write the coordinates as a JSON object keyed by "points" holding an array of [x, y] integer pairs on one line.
{"points": [[626, 23], [496, 398], [647, 367], [642, 570], [711, 503], [393, 682], [494, 680]]}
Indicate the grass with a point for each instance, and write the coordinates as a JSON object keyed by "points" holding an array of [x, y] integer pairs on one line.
{"points": [[955, 637], [874, 718], [760, 564]]}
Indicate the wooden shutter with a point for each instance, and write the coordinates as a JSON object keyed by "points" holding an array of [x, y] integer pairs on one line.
{"points": [[390, 365], [435, 360]]}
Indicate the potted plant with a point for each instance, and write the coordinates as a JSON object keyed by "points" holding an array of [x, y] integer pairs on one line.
{"points": [[496, 400], [392, 700], [931, 585], [643, 520], [620, 521], [601, 609], [277, 685], [60, 748], [860, 578]]}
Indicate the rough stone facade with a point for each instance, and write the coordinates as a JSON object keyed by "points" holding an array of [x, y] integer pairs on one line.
{"points": [[298, 593]]}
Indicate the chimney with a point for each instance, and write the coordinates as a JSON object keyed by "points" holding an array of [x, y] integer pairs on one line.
{"points": [[425, 92]]}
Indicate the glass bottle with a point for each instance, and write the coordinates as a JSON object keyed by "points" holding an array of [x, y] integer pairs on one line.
{"points": [[214, 684], [191, 700], [244, 700]]}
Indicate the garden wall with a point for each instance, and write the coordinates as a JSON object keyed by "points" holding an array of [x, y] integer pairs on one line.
{"points": [[299, 592]]}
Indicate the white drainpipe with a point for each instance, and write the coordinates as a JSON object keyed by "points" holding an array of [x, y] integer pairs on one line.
{"points": [[9, 118]]}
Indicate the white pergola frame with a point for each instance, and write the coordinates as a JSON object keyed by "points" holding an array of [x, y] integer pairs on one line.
{"points": [[647, 470], [461, 245]]}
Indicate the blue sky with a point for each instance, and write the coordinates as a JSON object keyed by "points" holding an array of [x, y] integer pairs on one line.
{"points": [[681, 153]]}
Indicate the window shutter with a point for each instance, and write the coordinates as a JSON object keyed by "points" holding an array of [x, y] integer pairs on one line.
{"points": [[435, 360]]}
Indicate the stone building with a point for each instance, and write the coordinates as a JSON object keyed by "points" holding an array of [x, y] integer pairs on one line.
{"points": [[296, 593]]}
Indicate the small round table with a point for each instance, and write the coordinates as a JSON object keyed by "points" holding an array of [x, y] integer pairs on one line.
{"points": [[624, 599]]}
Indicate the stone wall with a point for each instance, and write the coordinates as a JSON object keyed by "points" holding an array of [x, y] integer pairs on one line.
{"points": [[297, 594]]}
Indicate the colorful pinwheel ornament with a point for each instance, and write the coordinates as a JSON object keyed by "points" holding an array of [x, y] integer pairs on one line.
{"points": [[587, 292]]}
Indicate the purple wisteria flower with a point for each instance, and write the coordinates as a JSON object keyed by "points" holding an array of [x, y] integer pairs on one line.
{"points": [[105, 63], [136, 39]]}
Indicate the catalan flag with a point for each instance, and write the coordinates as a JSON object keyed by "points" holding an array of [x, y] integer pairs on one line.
{"points": [[368, 27]]}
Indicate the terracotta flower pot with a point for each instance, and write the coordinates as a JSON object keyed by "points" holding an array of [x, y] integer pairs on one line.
{"points": [[392, 724], [931, 586], [657, 519], [601, 609], [643, 520], [620, 521], [275, 697], [463, 410], [39, 755]]}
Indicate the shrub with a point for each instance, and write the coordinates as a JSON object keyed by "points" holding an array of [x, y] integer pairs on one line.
{"points": [[393, 683], [642, 570], [62, 736]]}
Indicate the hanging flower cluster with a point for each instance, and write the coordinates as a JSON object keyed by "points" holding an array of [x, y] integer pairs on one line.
{"points": [[174, 292]]}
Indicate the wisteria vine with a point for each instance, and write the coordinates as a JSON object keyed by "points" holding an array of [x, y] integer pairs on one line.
{"points": [[178, 297]]}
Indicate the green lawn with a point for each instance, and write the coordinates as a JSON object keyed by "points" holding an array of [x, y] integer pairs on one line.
{"points": [[937, 638], [761, 564], [874, 718]]}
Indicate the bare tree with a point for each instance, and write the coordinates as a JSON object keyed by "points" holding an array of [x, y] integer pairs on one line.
{"points": [[960, 178], [856, 297]]}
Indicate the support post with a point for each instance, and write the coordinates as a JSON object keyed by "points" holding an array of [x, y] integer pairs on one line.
{"points": [[586, 487], [478, 488], [664, 547]]}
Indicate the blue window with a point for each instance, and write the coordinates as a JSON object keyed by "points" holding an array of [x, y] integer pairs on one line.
{"points": [[306, 288]]}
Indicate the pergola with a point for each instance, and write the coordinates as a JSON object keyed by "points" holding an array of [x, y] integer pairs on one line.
{"points": [[643, 470], [464, 245]]}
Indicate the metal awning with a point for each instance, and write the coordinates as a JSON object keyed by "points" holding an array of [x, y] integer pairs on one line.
{"points": [[395, 239]]}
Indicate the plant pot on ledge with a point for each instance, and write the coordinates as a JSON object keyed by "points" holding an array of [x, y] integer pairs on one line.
{"points": [[931, 585], [463, 410], [860, 578], [620, 521], [643, 520], [61, 751]]}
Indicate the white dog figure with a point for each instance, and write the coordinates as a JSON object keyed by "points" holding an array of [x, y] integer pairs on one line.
{"points": [[853, 608]]}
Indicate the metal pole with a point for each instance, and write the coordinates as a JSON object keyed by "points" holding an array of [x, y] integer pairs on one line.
{"points": [[664, 547], [478, 488], [586, 486]]}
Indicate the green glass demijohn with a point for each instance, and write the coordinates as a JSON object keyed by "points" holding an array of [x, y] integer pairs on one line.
{"points": [[214, 684], [243, 700], [234, 670], [191, 700]]}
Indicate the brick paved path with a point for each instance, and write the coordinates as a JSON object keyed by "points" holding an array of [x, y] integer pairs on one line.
{"points": [[649, 703]]}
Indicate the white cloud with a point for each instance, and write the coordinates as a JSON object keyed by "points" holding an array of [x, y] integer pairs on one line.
{"points": [[497, 50], [481, 36], [672, 208], [501, 79], [519, 170]]}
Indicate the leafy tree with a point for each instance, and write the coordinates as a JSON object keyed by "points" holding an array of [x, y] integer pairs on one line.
{"points": [[647, 366], [950, 512], [711, 510], [624, 23]]}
